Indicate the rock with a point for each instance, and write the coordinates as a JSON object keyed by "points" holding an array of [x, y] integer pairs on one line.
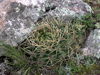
{"points": [[18, 17], [67, 9], [92, 45], [4, 67], [19, 23]]}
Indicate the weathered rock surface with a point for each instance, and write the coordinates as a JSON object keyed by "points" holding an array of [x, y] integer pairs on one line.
{"points": [[4, 67], [17, 19], [92, 46], [19, 23], [68, 9]]}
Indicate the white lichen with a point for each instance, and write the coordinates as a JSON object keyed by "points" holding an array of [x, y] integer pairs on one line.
{"points": [[88, 8], [97, 25], [97, 55], [17, 9], [96, 37]]}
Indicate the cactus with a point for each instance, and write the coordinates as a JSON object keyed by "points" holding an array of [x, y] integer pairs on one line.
{"points": [[52, 41]]}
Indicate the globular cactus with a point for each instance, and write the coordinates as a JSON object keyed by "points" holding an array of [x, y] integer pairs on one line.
{"points": [[51, 42]]}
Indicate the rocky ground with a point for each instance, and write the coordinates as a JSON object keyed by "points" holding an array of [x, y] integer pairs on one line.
{"points": [[96, 8]]}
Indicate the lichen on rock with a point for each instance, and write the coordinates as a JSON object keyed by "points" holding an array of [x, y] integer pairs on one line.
{"points": [[18, 24], [66, 8], [93, 43], [96, 37], [88, 8]]}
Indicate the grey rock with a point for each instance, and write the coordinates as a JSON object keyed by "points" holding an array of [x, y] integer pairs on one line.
{"points": [[1, 0], [68, 9], [92, 45], [4, 67], [19, 23]]}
